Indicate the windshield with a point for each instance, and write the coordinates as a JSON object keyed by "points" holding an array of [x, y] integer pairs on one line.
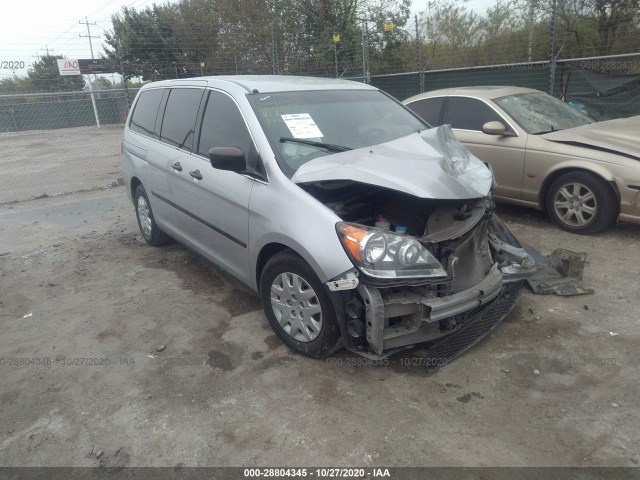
{"points": [[305, 125], [540, 113]]}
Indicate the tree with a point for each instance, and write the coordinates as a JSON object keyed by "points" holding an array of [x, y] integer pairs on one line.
{"points": [[103, 83], [15, 85], [45, 76], [452, 33], [616, 22], [509, 33], [141, 43], [594, 27], [251, 36]]}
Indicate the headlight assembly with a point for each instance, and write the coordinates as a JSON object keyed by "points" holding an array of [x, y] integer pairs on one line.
{"points": [[383, 254]]}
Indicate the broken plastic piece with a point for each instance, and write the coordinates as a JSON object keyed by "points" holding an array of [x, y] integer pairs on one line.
{"points": [[560, 273]]}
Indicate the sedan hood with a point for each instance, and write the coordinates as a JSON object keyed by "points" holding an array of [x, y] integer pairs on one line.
{"points": [[429, 164], [618, 136]]}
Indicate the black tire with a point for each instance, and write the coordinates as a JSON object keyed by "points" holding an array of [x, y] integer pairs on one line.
{"points": [[581, 216], [324, 339], [150, 231]]}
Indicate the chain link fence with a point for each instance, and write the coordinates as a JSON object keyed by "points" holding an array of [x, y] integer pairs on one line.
{"points": [[57, 143], [63, 142], [605, 87]]}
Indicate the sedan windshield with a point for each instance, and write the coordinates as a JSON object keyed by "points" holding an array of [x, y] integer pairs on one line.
{"points": [[539, 113], [305, 125]]}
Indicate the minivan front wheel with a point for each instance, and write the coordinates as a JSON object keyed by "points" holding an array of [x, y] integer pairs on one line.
{"points": [[298, 306], [148, 227]]}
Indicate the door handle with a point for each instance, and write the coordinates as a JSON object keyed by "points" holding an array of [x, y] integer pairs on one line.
{"points": [[176, 166], [196, 174]]}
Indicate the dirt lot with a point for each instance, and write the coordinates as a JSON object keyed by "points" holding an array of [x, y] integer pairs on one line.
{"points": [[85, 305], [52, 162]]}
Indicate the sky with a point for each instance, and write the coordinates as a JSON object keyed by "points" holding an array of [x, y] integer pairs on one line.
{"points": [[31, 26]]}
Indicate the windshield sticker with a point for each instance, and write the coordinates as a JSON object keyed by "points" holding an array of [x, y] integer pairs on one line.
{"points": [[301, 125]]}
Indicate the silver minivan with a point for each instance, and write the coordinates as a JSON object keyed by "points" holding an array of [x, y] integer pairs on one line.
{"points": [[357, 223]]}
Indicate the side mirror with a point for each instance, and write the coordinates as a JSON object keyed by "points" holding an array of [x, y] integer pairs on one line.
{"points": [[228, 158], [493, 128]]}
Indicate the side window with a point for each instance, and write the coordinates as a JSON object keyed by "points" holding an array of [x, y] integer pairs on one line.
{"points": [[223, 126], [429, 110], [144, 115], [180, 115], [470, 114]]}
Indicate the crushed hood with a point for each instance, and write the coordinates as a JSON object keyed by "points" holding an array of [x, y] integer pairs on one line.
{"points": [[619, 135], [429, 164]]}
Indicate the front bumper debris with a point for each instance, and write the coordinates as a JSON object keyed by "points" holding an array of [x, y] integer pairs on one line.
{"points": [[560, 273], [474, 330], [487, 266], [515, 262], [420, 315]]}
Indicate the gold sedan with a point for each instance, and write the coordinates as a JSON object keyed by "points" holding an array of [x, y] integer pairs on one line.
{"points": [[545, 154]]}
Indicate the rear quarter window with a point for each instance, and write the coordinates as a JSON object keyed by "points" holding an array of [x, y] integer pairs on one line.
{"points": [[143, 119]]}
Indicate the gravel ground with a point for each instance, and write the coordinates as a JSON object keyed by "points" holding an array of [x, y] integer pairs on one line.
{"points": [[116, 353], [53, 162]]}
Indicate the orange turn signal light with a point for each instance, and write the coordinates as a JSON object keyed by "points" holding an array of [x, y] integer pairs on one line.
{"points": [[351, 238]]}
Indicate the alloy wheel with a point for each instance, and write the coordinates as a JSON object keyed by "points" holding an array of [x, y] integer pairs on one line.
{"points": [[575, 204]]}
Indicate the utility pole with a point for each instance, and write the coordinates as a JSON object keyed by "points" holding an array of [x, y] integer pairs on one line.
{"points": [[365, 54], [552, 48], [417, 43], [46, 49], [274, 49], [274, 46], [418, 62], [364, 63], [336, 39], [530, 21], [89, 36]]}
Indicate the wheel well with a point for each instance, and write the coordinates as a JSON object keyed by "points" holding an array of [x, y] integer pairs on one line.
{"points": [[268, 251], [135, 181], [542, 196]]}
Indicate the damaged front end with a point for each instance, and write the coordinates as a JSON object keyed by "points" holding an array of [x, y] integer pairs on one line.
{"points": [[448, 286], [433, 263]]}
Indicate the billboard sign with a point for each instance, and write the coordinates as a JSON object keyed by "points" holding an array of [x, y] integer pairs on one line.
{"points": [[91, 66], [83, 66], [68, 66]]}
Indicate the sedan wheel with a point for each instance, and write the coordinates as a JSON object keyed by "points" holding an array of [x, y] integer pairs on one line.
{"points": [[298, 306], [575, 204], [581, 202]]}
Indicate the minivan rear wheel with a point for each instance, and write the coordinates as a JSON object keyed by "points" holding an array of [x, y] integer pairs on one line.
{"points": [[298, 306], [148, 227]]}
